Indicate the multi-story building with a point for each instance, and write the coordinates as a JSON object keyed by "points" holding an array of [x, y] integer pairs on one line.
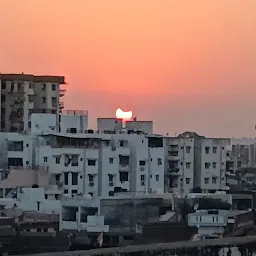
{"points": [[194, 161], [243, 153], [22, 95], [102, 164]]}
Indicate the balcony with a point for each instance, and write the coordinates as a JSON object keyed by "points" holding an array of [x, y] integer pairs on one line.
{"points": [[124, 162], [173, 154], [62, 92], [174, 171], [61, 105]]}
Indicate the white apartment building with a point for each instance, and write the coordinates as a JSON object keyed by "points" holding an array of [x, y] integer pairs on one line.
{"points": [[193, 161], [22, 95], [102, 164]]}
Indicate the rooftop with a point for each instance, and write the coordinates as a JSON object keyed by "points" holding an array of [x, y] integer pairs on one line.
{"points": [[33, 78]]}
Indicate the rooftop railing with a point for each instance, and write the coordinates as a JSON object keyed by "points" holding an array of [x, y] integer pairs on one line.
{"points": [[76, 112]]}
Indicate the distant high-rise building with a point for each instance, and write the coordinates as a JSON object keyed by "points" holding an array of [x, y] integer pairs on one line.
{"points": [[22, 95]]}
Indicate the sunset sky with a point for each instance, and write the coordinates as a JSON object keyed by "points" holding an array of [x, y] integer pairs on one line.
{"points": [[187, 65]]}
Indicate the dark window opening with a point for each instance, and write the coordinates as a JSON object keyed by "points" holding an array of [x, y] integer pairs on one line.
{"points": [[91, 162], [142, 163], [74, 178], [123, 176], [15, 161]]}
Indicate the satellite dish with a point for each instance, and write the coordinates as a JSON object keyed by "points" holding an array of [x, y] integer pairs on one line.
{"points": [[196, 206]]}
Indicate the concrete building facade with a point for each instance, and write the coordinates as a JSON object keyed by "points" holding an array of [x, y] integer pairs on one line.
{"points": [[194, 161], [22, 95]]}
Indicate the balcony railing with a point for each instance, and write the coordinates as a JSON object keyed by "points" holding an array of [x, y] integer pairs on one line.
{"points": [[62, 92], [61, 105]]}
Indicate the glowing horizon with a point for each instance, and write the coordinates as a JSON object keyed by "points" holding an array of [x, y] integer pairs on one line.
{"points": [[192, 60]]}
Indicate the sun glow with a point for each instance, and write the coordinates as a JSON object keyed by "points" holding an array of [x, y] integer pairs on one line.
{"points": [[120, 114]]}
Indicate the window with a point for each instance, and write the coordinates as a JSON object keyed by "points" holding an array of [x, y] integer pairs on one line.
{"points": [[3, 86], [57, 177], [188, 149], [142, 163], [57, 160], [91, 180], [74, 191], [111, 160], [142, 177], [110, 177], [45, 159], [30, 98], [123, 176], [214, 150], [206, 180], [214, 164], [43, 87], [214, 180], [111, 193], [74, 160], [44, 99], [15, 145], [53, 87], [188, 165], [3, 98], [65, 191], [121, 143], [54, 101], [207, 165], [19, 86], [12, 161], [157, 177], [159, 161], [124, 160], [74, 178], [187, 180], [91, 162], [207, 150], [66, 178]]}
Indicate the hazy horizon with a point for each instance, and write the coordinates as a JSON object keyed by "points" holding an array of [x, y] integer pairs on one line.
{"points": [[188, 66]]}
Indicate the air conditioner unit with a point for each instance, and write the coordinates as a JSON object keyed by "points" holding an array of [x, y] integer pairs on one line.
{"points": [[142, 168]]}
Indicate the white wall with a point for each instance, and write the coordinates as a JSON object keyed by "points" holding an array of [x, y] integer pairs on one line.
{"points": [[146, 126], [32, 199], [191, 164], [79, 122], [216, 172], [43, 123], [47, 123], [109, 124]]}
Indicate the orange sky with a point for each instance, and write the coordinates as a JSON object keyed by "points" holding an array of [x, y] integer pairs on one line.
{"points": [[188, 65]]}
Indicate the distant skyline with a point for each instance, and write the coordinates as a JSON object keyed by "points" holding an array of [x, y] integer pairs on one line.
{"points": [[186, 65]]}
